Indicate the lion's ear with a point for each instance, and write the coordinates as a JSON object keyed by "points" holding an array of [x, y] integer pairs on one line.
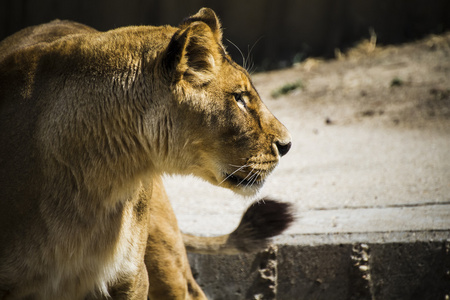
{"points": [[209, 17], [195, 52], [193, 55]]}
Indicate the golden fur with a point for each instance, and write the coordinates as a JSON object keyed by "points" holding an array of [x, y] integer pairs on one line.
{"points": [[89, 122]]}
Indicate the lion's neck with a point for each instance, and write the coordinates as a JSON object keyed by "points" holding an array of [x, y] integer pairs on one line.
{"points": [[120, 128]]}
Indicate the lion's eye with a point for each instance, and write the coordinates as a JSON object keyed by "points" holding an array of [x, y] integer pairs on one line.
{"points": [[240, 100]]}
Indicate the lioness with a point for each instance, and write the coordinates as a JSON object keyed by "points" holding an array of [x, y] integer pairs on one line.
{"points": [[89, 121]]}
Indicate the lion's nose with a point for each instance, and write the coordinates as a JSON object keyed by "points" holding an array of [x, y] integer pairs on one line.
{"points": [[283, 148]]}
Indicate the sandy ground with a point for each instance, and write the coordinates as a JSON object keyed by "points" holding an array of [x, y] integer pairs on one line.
{"points": [[371, 130]]}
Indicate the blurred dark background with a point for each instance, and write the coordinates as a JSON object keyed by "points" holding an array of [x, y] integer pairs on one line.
{"points": [[280, 32]]}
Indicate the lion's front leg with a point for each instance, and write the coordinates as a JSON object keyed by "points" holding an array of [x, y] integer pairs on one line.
{"points": [[169, 273], [134, 288]]}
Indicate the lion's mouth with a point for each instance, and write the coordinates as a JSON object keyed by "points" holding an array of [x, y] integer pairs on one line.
{"points": [[251, 180]]}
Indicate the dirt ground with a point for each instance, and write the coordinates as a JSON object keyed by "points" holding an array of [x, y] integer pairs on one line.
{"points": [[370, 129], [402, 86]]}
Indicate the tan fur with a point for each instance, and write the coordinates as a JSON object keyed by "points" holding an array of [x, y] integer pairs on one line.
{"points": [[89, 121], [168, 268]]}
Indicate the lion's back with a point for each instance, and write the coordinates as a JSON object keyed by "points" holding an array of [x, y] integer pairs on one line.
{"points": [[45, 33]]}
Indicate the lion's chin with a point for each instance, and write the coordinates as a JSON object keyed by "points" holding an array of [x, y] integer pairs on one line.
{"points": [[247, 191], [242, 186]]}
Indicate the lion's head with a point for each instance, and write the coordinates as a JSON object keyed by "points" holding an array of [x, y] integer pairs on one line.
{"points": [[224, 132]]}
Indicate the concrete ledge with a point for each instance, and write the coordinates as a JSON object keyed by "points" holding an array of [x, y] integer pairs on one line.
{"points": [[390, 265]]}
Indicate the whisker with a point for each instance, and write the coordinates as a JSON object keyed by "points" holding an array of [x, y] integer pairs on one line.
{"points": [[245, 179], [229, 175], [256, 177], [251, 69], [244, 62], [252, 179], [251, 49], [236, 166], [249, 52]]}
